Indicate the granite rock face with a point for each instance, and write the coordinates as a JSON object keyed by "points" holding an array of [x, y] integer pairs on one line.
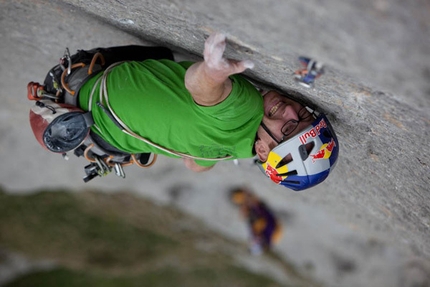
{"points": [[374, 209]]}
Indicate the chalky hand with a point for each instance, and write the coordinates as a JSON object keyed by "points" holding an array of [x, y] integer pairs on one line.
{"points": [[216, 63]]}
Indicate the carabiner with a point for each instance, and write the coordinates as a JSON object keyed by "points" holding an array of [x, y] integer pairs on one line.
{"points": [[66, 56]]}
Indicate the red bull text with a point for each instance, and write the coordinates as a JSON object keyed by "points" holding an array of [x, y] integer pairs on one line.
{"points": [[314, 132]]}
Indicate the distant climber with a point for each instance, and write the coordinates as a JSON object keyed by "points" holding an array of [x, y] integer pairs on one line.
{"points": [[264, 228]]}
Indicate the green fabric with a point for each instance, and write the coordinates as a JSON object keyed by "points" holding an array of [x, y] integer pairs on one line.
{"points": [[151, 99]]}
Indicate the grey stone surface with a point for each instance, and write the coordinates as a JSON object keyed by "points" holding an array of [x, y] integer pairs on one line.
{"points": [[363, 226]]}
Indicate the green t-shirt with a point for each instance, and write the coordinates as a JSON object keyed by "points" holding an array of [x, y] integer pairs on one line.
{"points": [[151, 99]]}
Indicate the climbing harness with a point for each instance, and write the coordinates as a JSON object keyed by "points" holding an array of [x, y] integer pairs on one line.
{"points": [[61, 126]]}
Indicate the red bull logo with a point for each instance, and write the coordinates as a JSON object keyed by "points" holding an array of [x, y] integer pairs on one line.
{"points": [[324, 152], [314, 132], [273, 174]]}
